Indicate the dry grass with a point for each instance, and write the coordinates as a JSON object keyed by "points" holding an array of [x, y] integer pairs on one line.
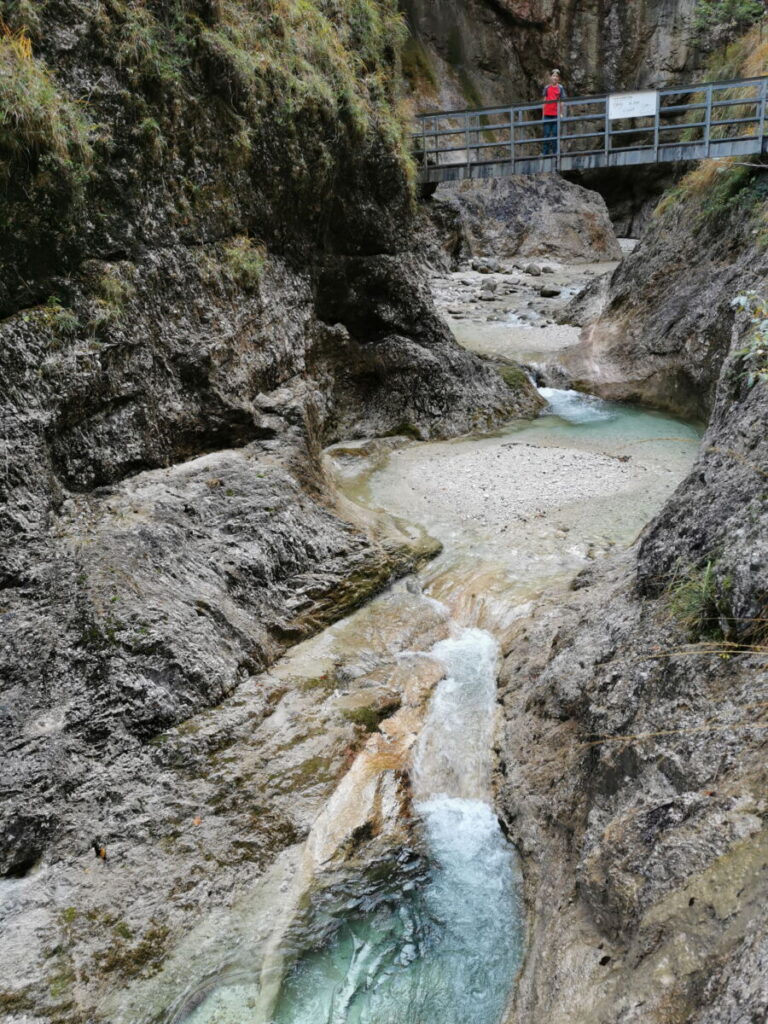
{"points": [[17, 40], [37, 120], [720, 179]]}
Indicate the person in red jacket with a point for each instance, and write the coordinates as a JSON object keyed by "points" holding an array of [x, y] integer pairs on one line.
{"points": [[553, 95]]}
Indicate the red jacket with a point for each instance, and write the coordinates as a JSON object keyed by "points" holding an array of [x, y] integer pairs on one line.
{"points": [[553, 94]]}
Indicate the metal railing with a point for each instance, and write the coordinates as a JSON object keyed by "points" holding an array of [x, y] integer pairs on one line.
{"points": [[689, 122]]}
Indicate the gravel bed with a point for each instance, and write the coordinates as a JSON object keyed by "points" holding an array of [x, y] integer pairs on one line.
{"points": [[494, 484]]}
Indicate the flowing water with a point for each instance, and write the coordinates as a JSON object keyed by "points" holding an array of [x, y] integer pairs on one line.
{"points": [[438, 937], [443, 952]]}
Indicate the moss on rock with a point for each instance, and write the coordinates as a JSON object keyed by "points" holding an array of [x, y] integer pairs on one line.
{"points": [[194, 121]]}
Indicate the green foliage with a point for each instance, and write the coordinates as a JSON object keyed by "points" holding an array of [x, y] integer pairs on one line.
{"points": [[63, 321], [755, 352], [111, 290], [369, 717], [245, 260], [731, 190], [150, 49], [114, 289], [694, 601], [716, 190], [53, 316], [150, 136], [513, 376], [39, 124], [735, 15], [336, 57], [23, 16], [201, 118]]}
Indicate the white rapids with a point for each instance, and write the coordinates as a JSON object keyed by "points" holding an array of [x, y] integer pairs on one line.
{"points": [[576, 407], [446, 952]]}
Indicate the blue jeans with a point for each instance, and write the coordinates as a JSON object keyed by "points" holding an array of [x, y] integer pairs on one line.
{"points": [[550, 135]]}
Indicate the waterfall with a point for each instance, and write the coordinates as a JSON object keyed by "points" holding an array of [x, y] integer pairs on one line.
{"points": [[576, 407]]}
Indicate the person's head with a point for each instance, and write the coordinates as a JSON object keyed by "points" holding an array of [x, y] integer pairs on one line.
{"points": [[555, 76]]}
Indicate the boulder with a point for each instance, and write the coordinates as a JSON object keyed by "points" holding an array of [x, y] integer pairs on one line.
{"points": [[526, 216]]}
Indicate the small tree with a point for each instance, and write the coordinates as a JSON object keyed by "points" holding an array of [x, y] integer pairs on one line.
{"points": [[727, 15]]}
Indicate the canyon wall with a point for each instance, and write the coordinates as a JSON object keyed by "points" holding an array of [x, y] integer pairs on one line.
{"points": [[207, 273], [666, 314], [633, 760], [483, 52]]}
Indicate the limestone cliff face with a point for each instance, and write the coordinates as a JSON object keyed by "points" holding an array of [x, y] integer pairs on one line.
{"points": [[634, 758], [634, 776], [499, 51], [666, 316]]}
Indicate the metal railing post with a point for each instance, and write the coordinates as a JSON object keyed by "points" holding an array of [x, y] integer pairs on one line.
{"points": [[512, 138], [559, 138], [761, 118], [708, 121], [467, 140], [656, 128], [607, 130]]}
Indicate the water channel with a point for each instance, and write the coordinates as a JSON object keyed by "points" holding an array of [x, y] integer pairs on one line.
{"points": [[438, 936]]}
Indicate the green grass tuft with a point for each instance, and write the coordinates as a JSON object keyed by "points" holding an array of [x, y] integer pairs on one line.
{"points": [[39, 124], [695, 602], [245, 261]]}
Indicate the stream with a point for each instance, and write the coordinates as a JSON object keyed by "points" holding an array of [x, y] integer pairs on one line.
{"points": [[433, 932], [441, 951]]}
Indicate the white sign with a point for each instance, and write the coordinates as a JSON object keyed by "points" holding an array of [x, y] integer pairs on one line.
{"points": [[632, 104]]}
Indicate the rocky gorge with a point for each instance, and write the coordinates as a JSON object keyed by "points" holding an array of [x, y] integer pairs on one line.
{"points": [[248, 774]]}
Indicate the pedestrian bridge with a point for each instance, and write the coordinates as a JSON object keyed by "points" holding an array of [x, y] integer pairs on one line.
{"points": [[692, 122]]}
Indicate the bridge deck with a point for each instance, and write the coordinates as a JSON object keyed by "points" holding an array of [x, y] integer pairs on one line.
{"points": [[695, 122]]}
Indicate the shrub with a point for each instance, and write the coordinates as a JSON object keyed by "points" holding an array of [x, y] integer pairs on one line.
{"points": [[728, 15]]}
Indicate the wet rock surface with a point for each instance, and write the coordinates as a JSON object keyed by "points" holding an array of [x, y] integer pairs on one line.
{"points": [[191, 363], [202, 829], [633, 781], [173, 365]]}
